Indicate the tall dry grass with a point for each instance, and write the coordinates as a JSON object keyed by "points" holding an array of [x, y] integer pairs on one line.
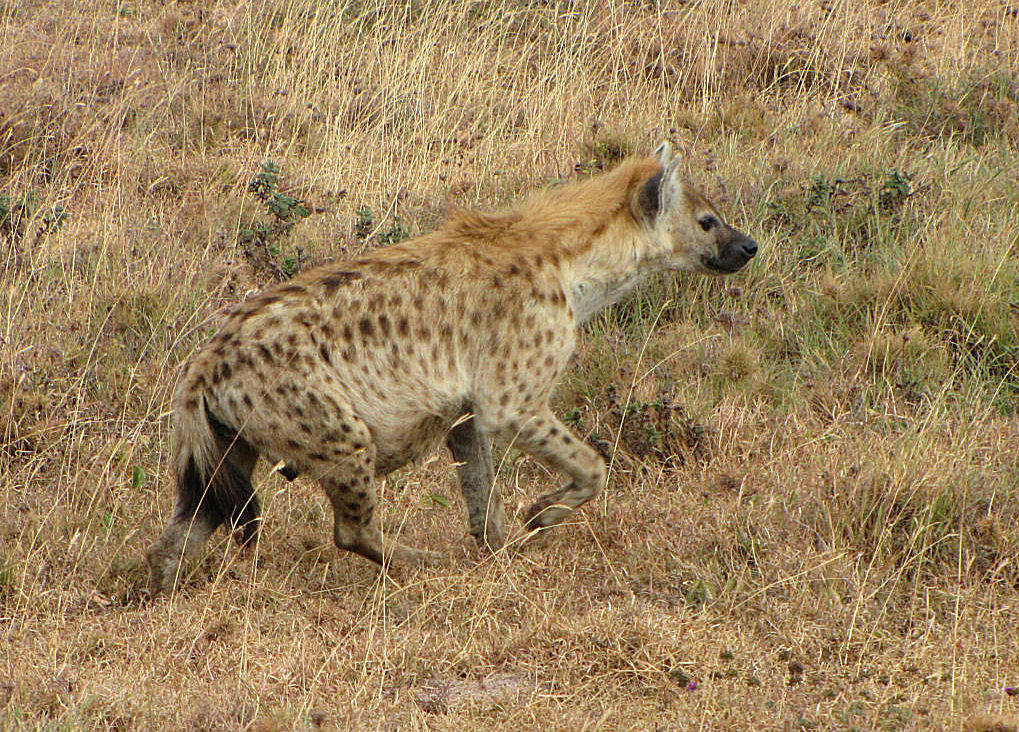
{"points": [[812, 518]]}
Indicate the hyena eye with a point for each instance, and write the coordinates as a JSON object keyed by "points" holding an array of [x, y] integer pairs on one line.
{"points": [[708, 223]]}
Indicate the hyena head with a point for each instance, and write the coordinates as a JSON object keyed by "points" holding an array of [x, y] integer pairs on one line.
{"points": [[687, 230]]}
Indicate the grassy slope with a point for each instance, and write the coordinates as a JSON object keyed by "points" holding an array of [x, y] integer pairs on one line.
{"points": [[813, 510]]}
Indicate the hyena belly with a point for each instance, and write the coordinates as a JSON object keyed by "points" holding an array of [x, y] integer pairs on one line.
{"points": [[415, 439]]}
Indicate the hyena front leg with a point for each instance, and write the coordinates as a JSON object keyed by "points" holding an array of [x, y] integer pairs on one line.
{"points": [[548, 440], [472, 450]]}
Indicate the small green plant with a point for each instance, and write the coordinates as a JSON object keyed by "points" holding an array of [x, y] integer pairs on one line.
{"points": [[434, 500], [17, 211], [397, 232], [894, 190], [699, 593], [603, 152], [8, 583], [13, 213], [820, 193], [365, 223], [574, 418], [53, 219], [265, 186], [263, 242]]}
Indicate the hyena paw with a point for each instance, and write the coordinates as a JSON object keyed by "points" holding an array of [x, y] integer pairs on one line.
{"points": [[489, 542], [544, 513]]}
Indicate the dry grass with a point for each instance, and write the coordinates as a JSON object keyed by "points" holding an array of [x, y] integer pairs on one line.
{"points": [[813, 510]]}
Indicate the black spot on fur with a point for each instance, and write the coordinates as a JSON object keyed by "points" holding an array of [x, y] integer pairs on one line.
{"points": [[337, 279]]}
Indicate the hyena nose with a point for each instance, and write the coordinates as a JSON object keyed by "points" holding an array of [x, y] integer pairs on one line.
{"points": [[749, 248]]}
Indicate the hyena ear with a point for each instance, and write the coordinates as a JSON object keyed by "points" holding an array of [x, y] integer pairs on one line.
{"points": [[670, 182], [669, 160], [664, 153], [651, 196], [649, 199]]}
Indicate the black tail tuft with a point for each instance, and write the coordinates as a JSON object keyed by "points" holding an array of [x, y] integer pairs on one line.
{"points": [[221, 491]]}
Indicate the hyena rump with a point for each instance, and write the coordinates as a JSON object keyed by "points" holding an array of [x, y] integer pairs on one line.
{"points": [[351, 370]]}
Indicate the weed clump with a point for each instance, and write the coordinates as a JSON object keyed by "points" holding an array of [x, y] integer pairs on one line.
{"points": [[365, 228], [661, 429], [265, 243], [976, 108]]}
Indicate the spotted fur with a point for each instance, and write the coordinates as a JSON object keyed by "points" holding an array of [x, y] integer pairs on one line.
{"points": [[352, 370]]}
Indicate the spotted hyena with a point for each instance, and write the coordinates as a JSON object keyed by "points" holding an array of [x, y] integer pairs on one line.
{"points": [[352, 370]]}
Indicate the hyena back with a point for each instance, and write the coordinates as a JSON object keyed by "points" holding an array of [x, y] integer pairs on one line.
{"points": [[352, 370]]}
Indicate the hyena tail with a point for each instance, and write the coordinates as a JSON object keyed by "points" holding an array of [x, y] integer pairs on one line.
{"points": [[213, 466]]}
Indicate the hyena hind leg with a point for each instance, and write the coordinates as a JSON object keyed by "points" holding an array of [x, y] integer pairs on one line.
{"points": [[344, 465], [203, 504], [180, 542], [355, 529]]}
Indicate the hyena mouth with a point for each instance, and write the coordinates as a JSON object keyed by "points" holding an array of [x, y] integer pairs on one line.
{"points": [[733, 257]]}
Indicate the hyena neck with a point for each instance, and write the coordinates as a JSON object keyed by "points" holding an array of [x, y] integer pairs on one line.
{"points": [[609, 271]]}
